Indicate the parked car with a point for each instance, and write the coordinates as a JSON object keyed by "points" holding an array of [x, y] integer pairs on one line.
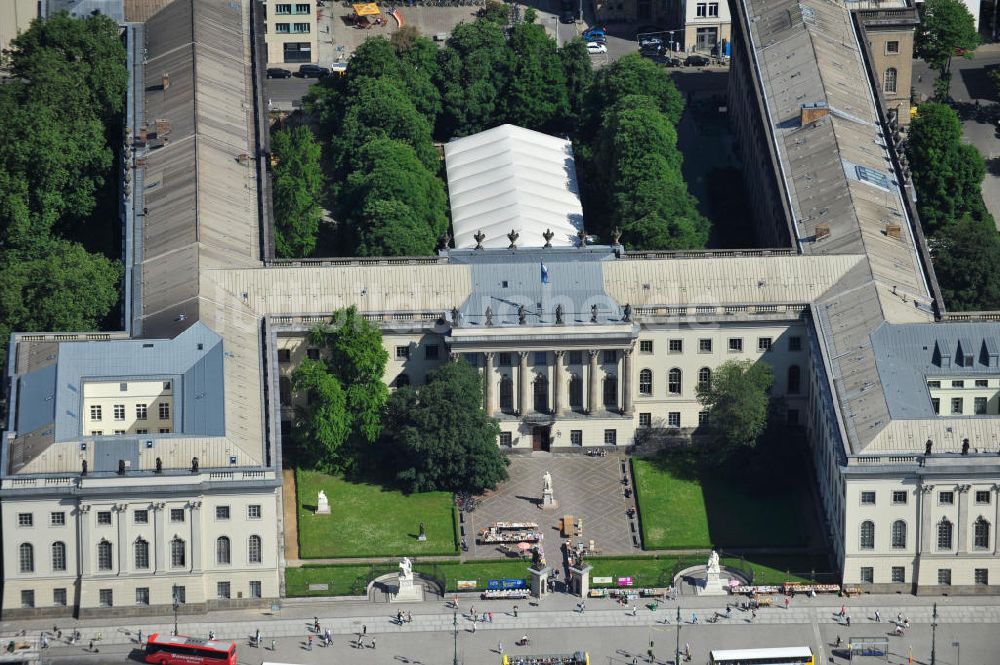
{"points": [[666, 60], [652, 51], [595, 35], [696, 61], [278, 73], [567, 16], [594, 48], [313, 72], [650, 41]]}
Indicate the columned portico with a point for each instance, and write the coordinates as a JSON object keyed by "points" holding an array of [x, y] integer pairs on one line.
{"points": [[594, 383], [558, 387]]}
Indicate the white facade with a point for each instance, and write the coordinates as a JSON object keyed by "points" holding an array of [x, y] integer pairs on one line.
{"points": [[706, 24], [291, 31]]}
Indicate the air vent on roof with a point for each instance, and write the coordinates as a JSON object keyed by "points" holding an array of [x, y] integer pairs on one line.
{"points": [[147, 346], [872, 176]]}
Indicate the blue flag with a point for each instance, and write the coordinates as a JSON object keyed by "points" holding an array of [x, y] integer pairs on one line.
{"points": [[545, 274]]}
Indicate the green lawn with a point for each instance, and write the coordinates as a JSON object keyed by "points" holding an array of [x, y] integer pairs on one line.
{"points": [[683, 505], [368, 520], [351, 579], [659, 571]]}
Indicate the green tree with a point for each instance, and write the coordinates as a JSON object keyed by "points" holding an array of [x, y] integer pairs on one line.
{"points": [[965, 261], [736, 400], [474, 68], [59, 286], [392, 228], [535, 96], [495, 12], [298, 187], [945, 26], [578, 73], [323, 426], [947, 173], [634, 75], [438, 437], [408, 60]]}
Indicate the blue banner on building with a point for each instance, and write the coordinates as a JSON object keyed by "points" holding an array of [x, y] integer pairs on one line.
{"points": [[507, 584]]}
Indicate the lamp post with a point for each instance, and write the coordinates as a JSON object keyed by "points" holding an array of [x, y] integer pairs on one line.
{"points": [[934, 624], [176, 607], [958, 651], [677, 648], [454, 622]]}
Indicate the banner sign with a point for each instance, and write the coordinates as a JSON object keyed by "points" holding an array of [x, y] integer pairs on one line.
{"points": [[467, 585], [507, 584], [624, 581], [602, 580]]}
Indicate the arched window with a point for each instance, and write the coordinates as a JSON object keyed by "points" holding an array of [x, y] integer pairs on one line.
{"points": [[104, 555], [981, 534], [222, 554], [646, 382], [944, 532], [576, 392], [141, 554], [890, 80], [26, 556], [541, 394], [402, 380], [506, 394], [610, 392], [254, 554], [867, 535], [899, 534], [704, 378], [178, 558], [794, 380], [58, 555], [674, 381]]}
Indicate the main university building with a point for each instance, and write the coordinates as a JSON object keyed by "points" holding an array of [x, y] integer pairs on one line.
{"points": [[143, 466]]}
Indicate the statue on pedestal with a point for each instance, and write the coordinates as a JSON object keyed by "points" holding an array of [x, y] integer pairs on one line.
{"points": [[422, 535], [322, 504], [548, 501], [713, 563], [406, 570]]}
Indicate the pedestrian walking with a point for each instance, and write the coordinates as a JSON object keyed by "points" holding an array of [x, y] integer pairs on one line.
{"points": [[472, 612], [454, 602], [211, 635], [45, 641], [309, 642], [848, 620], [500, 648], [327, 637], [490, 614], [473, 627], [256, 638], [373, 643], [92, 649], [694, 618], [274, 644], [635, 661], [899, 618], [753, 615], [409, 617], [583, 607], [364, 629], [634, 609], [787, 602], [878, 617], [687, 650], [843, 611], [515, 611], [139, 636]]}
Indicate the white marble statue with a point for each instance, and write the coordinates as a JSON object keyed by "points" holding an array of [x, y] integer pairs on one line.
{"points": [[547, 483], [322, 504], [406, 569], [713, 562]]}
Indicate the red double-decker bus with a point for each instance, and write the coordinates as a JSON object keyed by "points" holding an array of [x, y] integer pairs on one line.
{"points": [[182, 650]]}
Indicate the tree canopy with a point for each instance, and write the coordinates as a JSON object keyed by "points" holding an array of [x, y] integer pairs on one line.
{"points": [[945, 26], [736, 400], [966, 260], [635, 75], [474, 69], [322, 427], [437, 437], [536, 94], [297, 190]]}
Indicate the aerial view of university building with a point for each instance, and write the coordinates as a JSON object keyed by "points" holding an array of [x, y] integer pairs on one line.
{"points": [[499, 332]]}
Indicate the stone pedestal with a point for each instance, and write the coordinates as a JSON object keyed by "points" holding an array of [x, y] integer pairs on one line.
{"points": [[539, 581], [408, 591], [548, 501], [322, 504], [712, 585], [581, 580]]}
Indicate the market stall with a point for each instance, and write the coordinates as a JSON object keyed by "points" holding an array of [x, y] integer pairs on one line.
{"points": [[511, 532]]}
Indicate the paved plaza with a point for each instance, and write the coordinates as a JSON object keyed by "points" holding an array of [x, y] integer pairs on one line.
{"points": [[587, 488], [609, 634]]}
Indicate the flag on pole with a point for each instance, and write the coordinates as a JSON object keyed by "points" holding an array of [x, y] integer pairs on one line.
{"points": [[545, 274]]}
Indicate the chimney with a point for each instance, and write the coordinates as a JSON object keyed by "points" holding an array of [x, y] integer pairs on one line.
{"points": [[894, 231], [822, 231], [810, 113], [166, 80]]}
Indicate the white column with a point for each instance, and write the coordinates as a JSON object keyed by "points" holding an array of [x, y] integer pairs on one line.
{"points": [[522, 383], [925, 518], [488, 381], [121, 513], [594, 383], [627, 382], [559, 397], [996, 522], [83, 538], [963, 518], [196, 545], [160, 564]]}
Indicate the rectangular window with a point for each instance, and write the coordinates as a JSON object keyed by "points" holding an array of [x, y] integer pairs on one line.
{"points": [[610, 356], [95, 413], [958, 383], [140, 411], [312, 354], [123, 387], [645, 419], [898, 574], [541, 358], [576, 437], [944, 576], [431, 352], [119, 431], [176, 514], [982, 383], [933, 384], [27, 598], [506, 439], [867, 574], [899, 497], [979, 406], [610, 437], [575, 357], [59, 519], [222, 589], [119, 412], [713, 9], [956, 405], [674, 419], [255, 589], [981, 576], [402, 352], [704, 346], [676, 346], [164, 430], [142, 431], [282, 28], [936, 405], [97, 432], [253, 512], [164, 410], [179, 594], [868, 498], [107, 599], [795, 343], [891, 47], [701, 9], [104, 518], [300, 28], [25, 519], [142, 595], [735, 344], [982, 497], [472, 359], [645, 346], [283, 9], [301, 9], [763, 343], [222, 512], [284, 355], [503, 359], [946, 498], [59, 597], [702, 417]]}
